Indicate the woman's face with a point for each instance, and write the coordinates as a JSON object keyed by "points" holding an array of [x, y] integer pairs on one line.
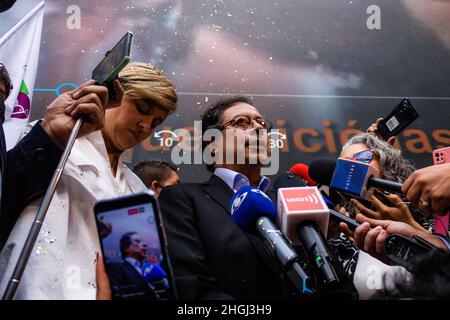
{"points": [[131, 123], [352, 150]]}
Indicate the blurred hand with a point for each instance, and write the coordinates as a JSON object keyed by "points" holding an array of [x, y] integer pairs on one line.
{"points": [[399, 212], [373, 129], [371, 235], [88, 101], [429, 188], [103, 286]]}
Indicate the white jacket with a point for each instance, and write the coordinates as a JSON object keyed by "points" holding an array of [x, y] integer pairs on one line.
{"points": [[62, 265]]}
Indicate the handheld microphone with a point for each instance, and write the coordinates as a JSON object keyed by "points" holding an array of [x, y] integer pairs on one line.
{"points": [[253, 212], [302, 211], [351, 177], [153, 272], [286, 180], [301, 170]]}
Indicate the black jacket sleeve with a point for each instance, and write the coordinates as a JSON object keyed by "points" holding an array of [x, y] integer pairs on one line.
{"points": [[193, 278], [29, 168]]}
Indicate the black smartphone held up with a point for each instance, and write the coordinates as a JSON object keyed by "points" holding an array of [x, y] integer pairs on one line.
{"points": [[401, 117], [352, 224], [114, 61], [134, 247]]}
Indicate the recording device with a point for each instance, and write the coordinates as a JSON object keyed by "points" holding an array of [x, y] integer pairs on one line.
{"points": [[404, 252], [301, 170], [134, 247], [351, 223], [253, 212], [303, 218], [401, 116], [350, 177], [114, 61], [286, 180]]}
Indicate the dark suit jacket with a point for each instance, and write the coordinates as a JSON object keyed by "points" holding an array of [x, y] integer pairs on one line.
{"points": [[127, 283], [26, 171], [211, 257]]}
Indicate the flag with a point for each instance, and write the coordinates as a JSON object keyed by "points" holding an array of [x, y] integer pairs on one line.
{"points": [[19, 52]]}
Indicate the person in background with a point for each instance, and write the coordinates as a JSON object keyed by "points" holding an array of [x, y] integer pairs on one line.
{"points": [[391, 165], [157, 174], [95, 170]]}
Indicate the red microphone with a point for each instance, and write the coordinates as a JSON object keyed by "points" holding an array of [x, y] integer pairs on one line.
{"points": [[301, 170]]}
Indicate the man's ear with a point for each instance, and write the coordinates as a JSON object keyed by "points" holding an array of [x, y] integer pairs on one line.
{"points": [[154, 185]]}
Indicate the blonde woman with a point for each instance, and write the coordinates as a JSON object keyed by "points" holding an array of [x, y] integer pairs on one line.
{"points": [[62, 265]]}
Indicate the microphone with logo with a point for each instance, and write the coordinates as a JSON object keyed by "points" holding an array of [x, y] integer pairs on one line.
{"points": [[303, 218], [301, 170], [351, 177], [286, 180], [254, 213]]}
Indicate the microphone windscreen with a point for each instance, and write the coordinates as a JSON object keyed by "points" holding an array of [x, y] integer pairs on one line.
{"points": [[248, 205], [286, 180], [321, 170], [301, 170]]}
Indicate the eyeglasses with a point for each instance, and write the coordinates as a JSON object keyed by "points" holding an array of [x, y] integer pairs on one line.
{"points": [[365, 156], [4, 77], [244, 122]]}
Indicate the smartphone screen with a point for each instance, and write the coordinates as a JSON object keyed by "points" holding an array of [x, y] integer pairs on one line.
{"points": [[133, 248], [111, 65]]}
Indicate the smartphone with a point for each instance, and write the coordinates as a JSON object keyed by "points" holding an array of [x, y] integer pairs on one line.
{"points": [[441, 156], [401, 117], [352, 224], [404, 251], [134, 247], [114, 61]]}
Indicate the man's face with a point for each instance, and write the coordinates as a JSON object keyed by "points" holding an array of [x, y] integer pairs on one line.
{"points": [[137, 249], [249, 144]]}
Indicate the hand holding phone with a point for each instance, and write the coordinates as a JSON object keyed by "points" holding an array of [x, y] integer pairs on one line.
{"points": [[401, 116], [114, 61]]}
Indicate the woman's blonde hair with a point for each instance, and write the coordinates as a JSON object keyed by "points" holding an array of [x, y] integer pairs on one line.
{"points": [[145, 81]]}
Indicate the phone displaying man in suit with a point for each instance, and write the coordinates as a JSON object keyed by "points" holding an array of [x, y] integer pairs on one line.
{"points": [[132, 249]]}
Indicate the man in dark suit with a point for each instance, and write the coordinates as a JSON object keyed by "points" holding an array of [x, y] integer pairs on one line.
{"points": [[126, 277], [26, 170], [211, 257]]}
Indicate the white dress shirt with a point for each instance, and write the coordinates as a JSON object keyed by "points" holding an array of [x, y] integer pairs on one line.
{"points": [[235, 180], [135, 263], [62, 264]]}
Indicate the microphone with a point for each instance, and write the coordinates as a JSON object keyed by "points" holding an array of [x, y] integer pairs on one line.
{"points": [[286, 180], [302, 212], [253, 212], [152, 272], [352, 177], [301, 170]]}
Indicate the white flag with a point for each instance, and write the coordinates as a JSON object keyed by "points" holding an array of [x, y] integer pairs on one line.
{"points": [[19, 52]]}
